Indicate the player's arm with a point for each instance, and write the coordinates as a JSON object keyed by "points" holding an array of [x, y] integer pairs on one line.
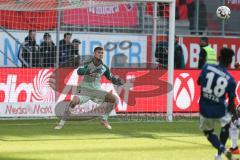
{"points": [[232, 96], [114, 79], [232, 107], [202, 58], [202, 75], [83, 70], [199, 81]]}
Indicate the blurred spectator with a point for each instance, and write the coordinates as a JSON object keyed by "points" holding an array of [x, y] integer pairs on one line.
{"points": [[179, 62], [202, 17], [65, 49], [207, 54], [76, 43], [161, 55], [119, 61], [29, 54], [48, 51], [75, 52], [183, 7]]}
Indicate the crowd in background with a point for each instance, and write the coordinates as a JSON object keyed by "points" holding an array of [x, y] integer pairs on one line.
{"points": [[44, 55]]}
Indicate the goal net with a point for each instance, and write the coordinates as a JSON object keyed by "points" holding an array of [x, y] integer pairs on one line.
{"points": [[42, 38]]}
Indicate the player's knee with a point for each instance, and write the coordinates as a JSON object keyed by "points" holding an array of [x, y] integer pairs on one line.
{"points": [[111, 99], [75, 101], [226, 127], [208, 132], [115, 99]]}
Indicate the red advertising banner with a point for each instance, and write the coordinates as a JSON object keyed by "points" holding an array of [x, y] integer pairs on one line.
{"points": [[42, 19], [108, 15], [145, 90], [187, 92], [182, 9], [25, 85], [191, 48], [233, 4]]}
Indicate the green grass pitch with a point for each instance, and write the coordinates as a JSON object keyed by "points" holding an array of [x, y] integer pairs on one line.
{"points": [[88, 140]]}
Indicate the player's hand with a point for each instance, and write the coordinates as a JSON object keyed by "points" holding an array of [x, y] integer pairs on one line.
{"points": [[117, 81], [52, 82], [236, 123], [234, 118], [121, 81], [237, 65]]}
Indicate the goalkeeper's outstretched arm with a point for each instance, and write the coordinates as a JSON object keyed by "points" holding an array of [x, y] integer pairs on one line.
{"points": [[82, 70], [114, 79]]}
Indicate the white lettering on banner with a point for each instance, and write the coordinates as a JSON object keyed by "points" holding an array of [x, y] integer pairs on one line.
{"points": [[42, 110], [11, 110], [79, 109], [91, 108], [136, 53], [105, 10], [36, 91], [185, 53], [194, 56], [26, 109], [191, 49], [12, 91]]}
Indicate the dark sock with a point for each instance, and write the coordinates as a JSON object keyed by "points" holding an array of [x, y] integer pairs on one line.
{"points": [[224, 134], [234, 148], [213, 139]]}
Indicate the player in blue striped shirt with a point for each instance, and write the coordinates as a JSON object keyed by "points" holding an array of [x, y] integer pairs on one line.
{"points": [[216, 83]]}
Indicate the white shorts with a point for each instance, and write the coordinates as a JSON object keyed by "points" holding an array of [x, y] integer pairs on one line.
{"points": [[207, 124], [235, 124], [95, 95]]}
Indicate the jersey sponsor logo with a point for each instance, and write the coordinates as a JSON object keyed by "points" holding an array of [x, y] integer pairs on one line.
{"points": [[184, 90]]}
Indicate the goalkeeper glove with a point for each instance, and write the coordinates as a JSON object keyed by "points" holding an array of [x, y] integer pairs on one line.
{"points": [[117, 81]]}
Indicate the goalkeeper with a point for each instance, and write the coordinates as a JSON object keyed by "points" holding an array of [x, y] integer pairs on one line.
{"points": [[90, 89]]}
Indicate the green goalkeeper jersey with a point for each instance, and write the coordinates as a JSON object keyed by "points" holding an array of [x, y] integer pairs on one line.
{"points": [[93, 82]]}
